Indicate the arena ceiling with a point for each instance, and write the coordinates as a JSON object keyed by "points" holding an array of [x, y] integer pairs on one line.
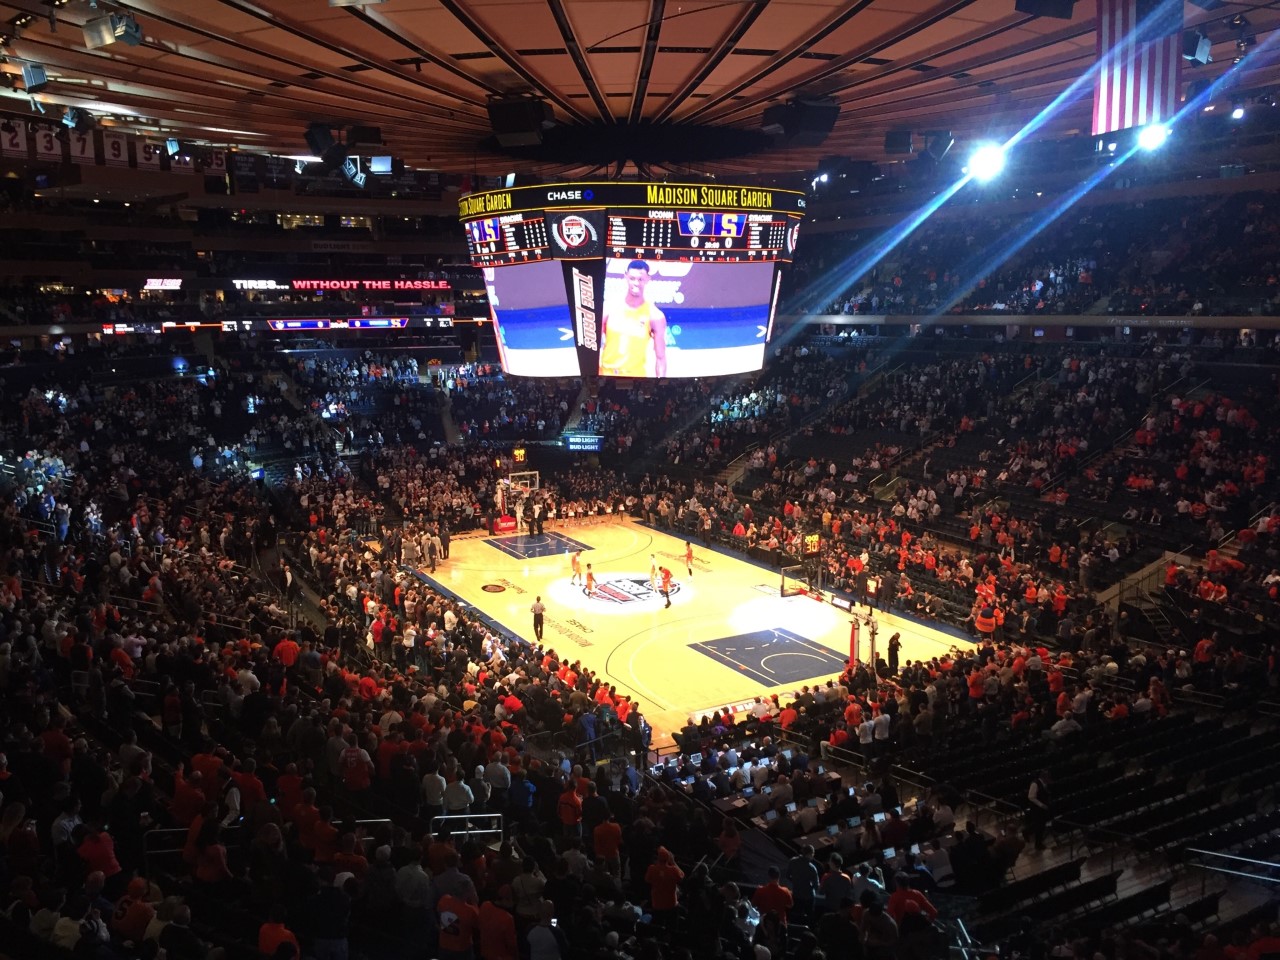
{"points": [[253, 74]]}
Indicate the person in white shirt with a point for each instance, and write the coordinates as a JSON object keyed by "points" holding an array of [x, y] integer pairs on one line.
{"points": [[882, 724], [1064, 728], [944, 818], [497, 775], [433, 787], [457, 796], [866, 733], [413, 884], [938, 861]]}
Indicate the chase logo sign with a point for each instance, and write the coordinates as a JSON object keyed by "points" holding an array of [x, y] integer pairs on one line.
{"points": [[563, 196]]}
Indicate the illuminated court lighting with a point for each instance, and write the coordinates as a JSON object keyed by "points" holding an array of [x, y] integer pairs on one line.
{"points": [[1153, 136], [986, 162]]}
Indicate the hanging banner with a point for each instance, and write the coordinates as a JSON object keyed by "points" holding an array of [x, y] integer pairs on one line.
{"points": [[81, 147], [48, 146], [115, 148], [13, 140], [149, 155]]}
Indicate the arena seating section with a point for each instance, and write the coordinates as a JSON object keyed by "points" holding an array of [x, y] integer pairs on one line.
{"points": [[188, 642]]}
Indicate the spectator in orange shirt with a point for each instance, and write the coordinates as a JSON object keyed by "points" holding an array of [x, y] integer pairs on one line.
{"points": [[289, 791], [663, 877], [498, 928], [274, 932], [188, 797], [606, 840], [458, 923], [286, 652], [569, 810], [902, 899], [349, 859], [773, 897]]}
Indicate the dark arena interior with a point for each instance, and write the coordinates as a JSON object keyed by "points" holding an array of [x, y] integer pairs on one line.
{"points": [[640, 480]]}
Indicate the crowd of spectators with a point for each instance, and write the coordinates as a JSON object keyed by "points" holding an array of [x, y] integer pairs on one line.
{"points": [[1149, 258], [488, 406], [706, 423], [155, 676]]}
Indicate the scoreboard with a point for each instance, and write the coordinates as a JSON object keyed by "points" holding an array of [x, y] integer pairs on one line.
{"points": [[515, 238], [701, 236], [687, 276]]}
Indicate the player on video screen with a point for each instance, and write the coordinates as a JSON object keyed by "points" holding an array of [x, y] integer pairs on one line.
{"points": [[632, 329]]}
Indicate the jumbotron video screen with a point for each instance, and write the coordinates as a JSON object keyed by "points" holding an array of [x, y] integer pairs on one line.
{"points": [[632, 279]]}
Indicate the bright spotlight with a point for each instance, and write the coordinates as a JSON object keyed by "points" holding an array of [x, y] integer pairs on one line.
{"points": [[822, 177], [1153, 136], [1237, 112], [986, 162]]}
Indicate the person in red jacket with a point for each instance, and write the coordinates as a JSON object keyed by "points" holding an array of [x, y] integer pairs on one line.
{"points": [[569, 810], [498, 928], [773, 897], [188, 797], [458, 922], [289, 789], [663, 877], [905, 899], [274, 932]]}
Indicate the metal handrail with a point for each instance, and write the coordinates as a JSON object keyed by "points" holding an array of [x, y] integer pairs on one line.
{"points": [[467, 828], [1235, 873], [1265, 511], [1232, 856]]}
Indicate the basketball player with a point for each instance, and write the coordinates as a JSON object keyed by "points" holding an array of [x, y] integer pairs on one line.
{"points": [[666, 586], [688, 557], [632, 328], [653, 572], [575, 560], [591, 582]]}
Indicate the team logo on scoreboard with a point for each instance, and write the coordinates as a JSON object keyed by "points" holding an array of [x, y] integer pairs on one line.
{"points": [[627, 588], [793, 237], [573, 233], [696, 224]]}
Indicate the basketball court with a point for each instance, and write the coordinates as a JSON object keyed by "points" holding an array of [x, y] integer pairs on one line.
{"points": [[728, 636]]}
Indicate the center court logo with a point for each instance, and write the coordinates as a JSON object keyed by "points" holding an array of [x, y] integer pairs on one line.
{"points": [[627, 589]]}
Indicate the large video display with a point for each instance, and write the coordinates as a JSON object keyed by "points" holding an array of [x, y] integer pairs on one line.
{"points": [[532, 320], [673, 319], [636, 280]]}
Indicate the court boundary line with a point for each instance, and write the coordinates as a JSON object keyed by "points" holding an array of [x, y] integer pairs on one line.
{"points": [[553, 537], [475, 611], [947, 628], [808, 645]]}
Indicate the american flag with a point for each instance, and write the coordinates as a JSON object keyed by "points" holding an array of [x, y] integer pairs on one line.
{"points": [[1139, 63]]}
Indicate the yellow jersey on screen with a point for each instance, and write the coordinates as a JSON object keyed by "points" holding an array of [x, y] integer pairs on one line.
{"points": [[628, 338]]}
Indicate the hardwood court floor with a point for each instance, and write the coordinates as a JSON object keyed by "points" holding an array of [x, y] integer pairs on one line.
{"points": [[727, 637]]}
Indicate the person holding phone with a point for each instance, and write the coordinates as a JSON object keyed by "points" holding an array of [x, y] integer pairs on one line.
{"points": [[546, 942]]}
